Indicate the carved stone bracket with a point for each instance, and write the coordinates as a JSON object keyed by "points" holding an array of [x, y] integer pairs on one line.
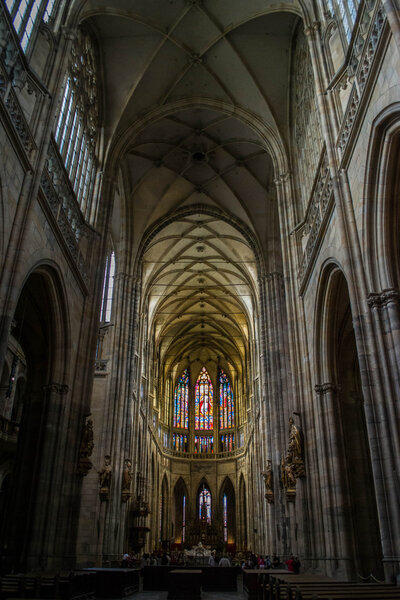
{"points": [[382, 299]]}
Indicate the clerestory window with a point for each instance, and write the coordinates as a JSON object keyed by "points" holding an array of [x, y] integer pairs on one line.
{"points": [[26, 16], [76, 131], [346, 12], [108, 289]]}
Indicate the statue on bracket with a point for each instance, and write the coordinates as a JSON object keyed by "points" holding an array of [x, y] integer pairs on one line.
{"points": [[296, 449], [85, 449], [105, 478], [126, 480], [288, 478], [269, 483]]}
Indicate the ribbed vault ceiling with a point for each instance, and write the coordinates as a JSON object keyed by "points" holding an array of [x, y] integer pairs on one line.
{"points": [[192, 90]]}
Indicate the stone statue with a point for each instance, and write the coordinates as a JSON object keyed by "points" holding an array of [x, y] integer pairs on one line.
{"points": [[87, 444], [296, 450], [85, 449], [127, 476], [269, 482], [288, 477], [295, 442], [105, 477], [268, 477]]}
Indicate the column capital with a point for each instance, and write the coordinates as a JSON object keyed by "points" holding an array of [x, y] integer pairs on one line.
{"points": [[381, 299], [324, 388], [56, 388]]}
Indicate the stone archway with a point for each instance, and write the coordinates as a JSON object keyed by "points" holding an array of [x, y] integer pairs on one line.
{"points": [[40, 332], [351, 528]]}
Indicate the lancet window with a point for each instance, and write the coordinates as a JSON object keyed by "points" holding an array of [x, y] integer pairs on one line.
{"points": [[227, 442], [203, 443], [181, 401], [184, 519], [180, 442], [26, 16], [205, 505], [225, 516], [108, 289], [226, 404], [76, 131], [204, 402]]}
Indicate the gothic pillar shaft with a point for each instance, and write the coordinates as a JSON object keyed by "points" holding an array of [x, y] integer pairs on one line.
{"points": [[332, 481]]}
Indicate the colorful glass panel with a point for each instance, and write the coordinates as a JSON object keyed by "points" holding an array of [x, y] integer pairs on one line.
{"points": [[181, 401], [225, 516], [205, 505], [204, 401], [203, 443], [227, 442], [180, 442], [226, 404], [184, 519]]}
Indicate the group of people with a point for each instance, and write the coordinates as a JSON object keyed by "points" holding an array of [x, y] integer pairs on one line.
{"points": [[258, 561], [253, 561]]}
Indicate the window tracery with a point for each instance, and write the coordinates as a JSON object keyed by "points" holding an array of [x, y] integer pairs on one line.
{"points": [[76, 130], [203, 443], [181, 401], [108, 289], [26, 16], [346, 12], [205, 505], [226, 404], [204, 402]]}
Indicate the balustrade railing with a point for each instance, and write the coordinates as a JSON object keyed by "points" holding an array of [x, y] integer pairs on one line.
{"points": [[61, 199], [364, 51], [318, 209]]}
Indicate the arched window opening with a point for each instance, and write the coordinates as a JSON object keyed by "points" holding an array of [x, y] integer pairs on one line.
{"points": [[205, 505], [204, 401], [181, 401], [226, 404], [184, 519], [108, 289], [76, 131], [26, 16], [225, 516], [346, 12]]}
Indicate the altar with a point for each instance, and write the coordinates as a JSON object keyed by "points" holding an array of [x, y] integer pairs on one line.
{"points": [[197, 555]]}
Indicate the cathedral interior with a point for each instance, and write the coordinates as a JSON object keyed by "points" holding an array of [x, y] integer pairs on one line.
{"points": [[200, 281]]}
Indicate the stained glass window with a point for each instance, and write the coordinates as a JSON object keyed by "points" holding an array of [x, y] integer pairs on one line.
{"points": [[204, 401], [227, 442], [226, 405], [205, 505], [181, 401], [184, 519], [180, 442], [225, 516], [203, 443]]}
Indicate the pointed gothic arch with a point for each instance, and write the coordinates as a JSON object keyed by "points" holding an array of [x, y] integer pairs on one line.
{"points": [[181, 505], [227, 501], [345, 460]]}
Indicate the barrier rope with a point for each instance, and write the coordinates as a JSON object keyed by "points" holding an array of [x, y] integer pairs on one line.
{"points": [[370, 577]]}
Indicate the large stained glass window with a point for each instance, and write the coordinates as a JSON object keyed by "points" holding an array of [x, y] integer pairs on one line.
{"points": [[226, 405], [205, 505], [203, 443], [181, 401], [204, 401], [225, 516]]}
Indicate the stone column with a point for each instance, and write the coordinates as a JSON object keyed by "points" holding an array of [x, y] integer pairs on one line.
{"points": [[332, 482]]}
